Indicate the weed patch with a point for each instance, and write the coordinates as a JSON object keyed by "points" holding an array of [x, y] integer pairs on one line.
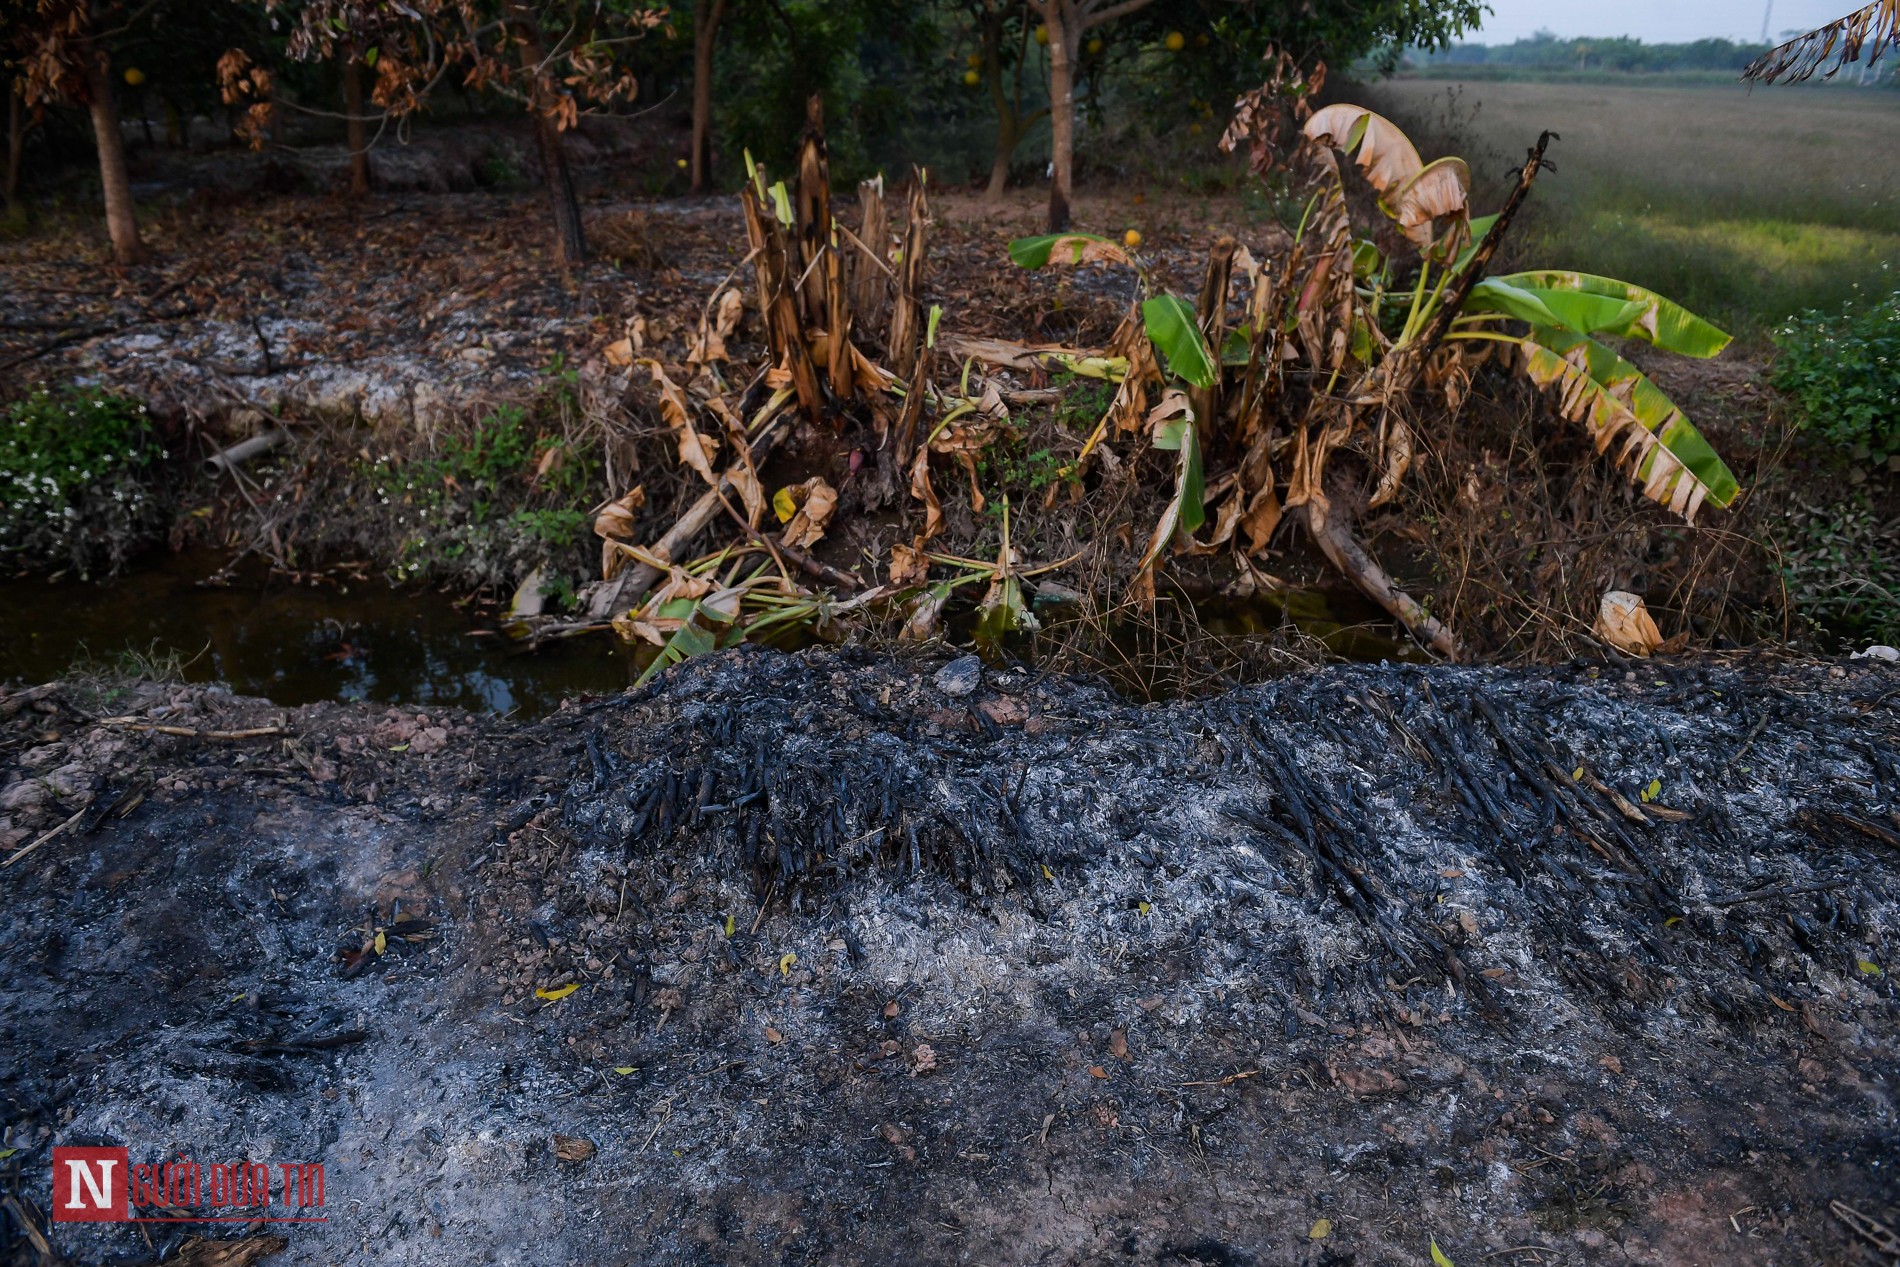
{"points": [[1843, 370], [1841, 564], [491, 502], [74, 491]]}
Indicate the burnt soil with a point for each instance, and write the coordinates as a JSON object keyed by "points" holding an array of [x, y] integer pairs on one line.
{"points": [[1591, 964]]}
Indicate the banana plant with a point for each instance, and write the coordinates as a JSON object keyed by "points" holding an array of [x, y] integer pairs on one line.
{"points": [[1170, 327], [1567, 314], [1363, 327]]}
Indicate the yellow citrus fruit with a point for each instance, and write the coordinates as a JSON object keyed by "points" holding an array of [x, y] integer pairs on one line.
{"points": [[1194, 129], [975, 60], [134, 76], [682, 163], [1095, 45], [971, 78], [1176, 41], [1131, 239], [1042, 34]]}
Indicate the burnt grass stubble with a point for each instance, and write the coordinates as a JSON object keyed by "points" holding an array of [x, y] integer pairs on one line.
{"points": [[1040, 975]]}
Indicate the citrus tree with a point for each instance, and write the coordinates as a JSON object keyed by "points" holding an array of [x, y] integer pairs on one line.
{"points": [[61, 52]]}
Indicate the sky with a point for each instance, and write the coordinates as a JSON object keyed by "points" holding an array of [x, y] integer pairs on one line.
{"points": [[1656, 21]]}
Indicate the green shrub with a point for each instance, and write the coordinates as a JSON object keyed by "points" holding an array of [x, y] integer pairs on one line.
{"points": [[1842, 567], [73, 490], [491, 502], [1843, 370]]}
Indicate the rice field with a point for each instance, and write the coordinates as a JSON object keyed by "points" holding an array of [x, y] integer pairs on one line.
{"points": [[1745, 205]]}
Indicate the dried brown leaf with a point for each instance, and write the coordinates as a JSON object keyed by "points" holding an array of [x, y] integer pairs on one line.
{"points": [[1624, 622], [815, 509], [695, 450], [573, 1148]]}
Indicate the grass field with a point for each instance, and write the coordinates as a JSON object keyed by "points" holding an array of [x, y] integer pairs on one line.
{"points": [[1744, 205]]}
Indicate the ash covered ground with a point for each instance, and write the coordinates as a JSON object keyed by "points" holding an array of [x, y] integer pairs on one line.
{"points": [[880, 959]]}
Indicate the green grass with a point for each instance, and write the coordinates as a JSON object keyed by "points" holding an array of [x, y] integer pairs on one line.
{"points": [[1745, 206]]}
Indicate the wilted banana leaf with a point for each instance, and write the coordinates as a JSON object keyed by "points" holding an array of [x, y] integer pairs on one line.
{"points": [[1003, 611], [1661, 321], [691, 639], [1661, 449], [1172, 328], [1384, 153], [1433, 207], [1065, 248], [1178, 435], [1173, 429]]}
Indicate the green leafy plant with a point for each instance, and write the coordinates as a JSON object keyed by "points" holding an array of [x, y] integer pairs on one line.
{"points": [[1843, 370], [72, 478], [492, 499], [1842, 567]]}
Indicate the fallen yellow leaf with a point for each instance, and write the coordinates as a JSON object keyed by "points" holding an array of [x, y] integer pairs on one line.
{"points": [[382, 942], [556, 994], [624, 1070], [1869, 968], [1322, 1229], [785, 962]]}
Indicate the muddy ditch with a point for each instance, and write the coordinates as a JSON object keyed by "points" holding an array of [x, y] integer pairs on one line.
{"points": [[876, 958], [338, 635]]}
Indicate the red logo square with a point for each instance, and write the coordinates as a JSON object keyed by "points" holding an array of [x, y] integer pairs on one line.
{"points": [[89, 1185]]}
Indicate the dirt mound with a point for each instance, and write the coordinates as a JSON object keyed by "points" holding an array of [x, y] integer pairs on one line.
{"points": [[875, 958]]}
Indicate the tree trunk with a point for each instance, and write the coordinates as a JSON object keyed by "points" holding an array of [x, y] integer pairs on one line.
{"points": [[121, 223], [16, 149], [356, 129], [570, 242], [1065, 39], [999, 169], [706, 16], [992, 53]]}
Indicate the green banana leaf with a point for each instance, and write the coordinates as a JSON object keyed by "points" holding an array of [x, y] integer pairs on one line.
{"points": [[1662, 322], [1576, 311], [1660, 448], [1172, 328], [690, 640]]}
